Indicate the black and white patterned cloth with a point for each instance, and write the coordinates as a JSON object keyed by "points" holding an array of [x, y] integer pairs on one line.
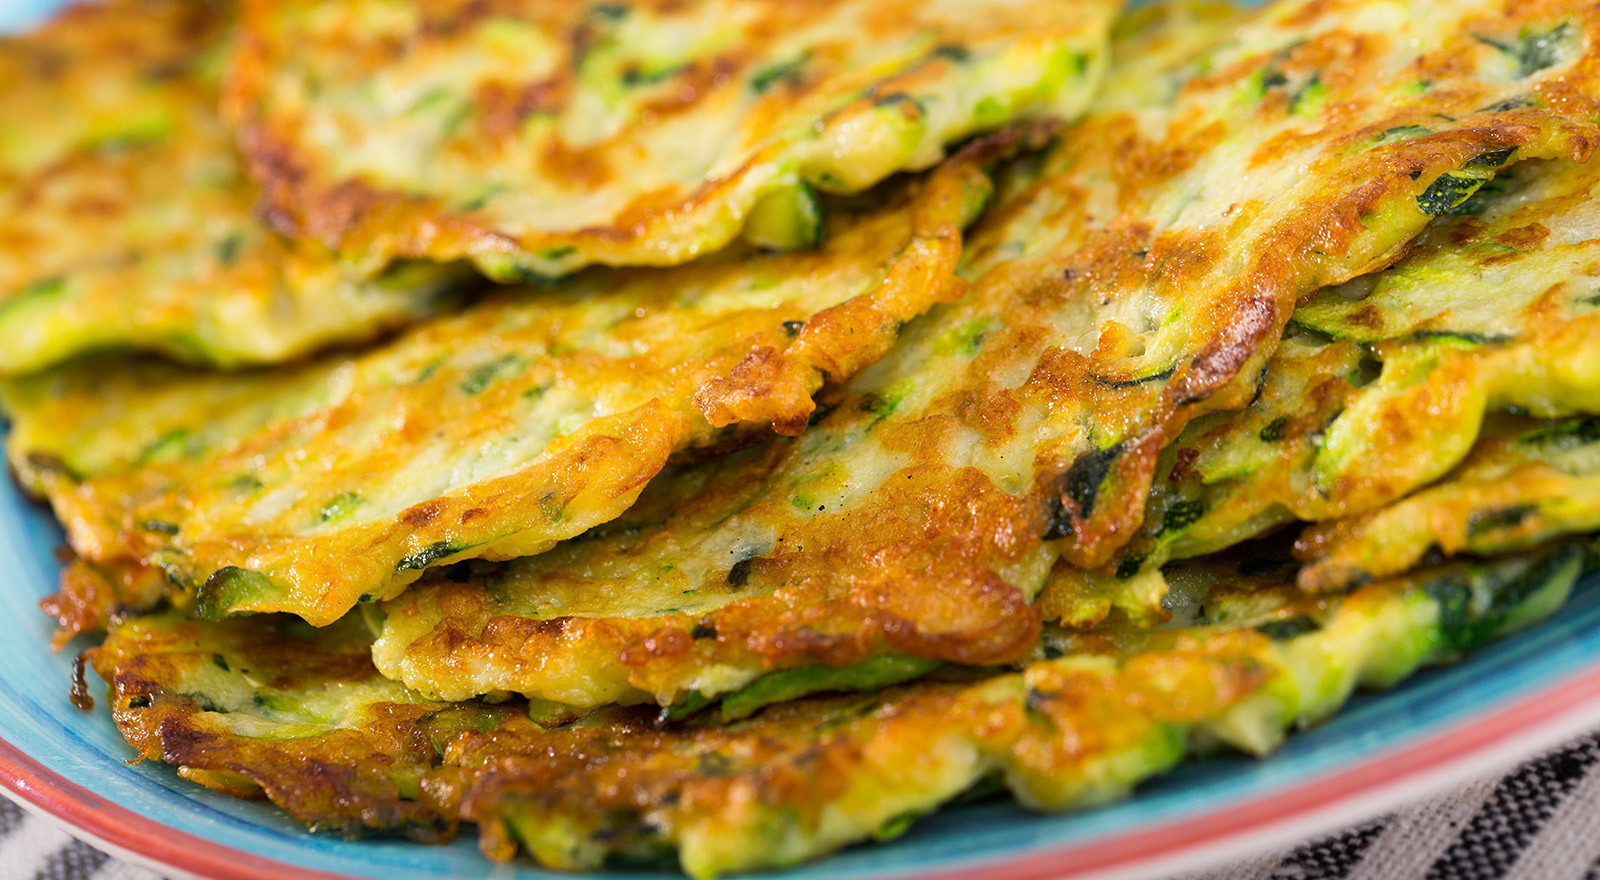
{"points": [[1540, 821]]}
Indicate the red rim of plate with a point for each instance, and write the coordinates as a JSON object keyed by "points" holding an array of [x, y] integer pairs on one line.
{"points": [[1543, 718]]}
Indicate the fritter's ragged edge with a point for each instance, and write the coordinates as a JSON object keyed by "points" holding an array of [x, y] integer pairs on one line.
{"points": [[88, 76], [91, 596], [1523, 484], [126, 219], [261, 706], [1383, 383], [1136, 277], [537, 137], [270, 705], [529, 418]]}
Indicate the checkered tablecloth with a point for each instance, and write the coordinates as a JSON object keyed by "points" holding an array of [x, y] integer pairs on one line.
{"points": [[1540, 821]]}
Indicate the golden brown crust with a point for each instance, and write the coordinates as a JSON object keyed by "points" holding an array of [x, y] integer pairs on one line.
{"points": [[1135, 278], [104, 64], [643, 152], [91, 596], [529, 418], [255, 707], [1490, 310], [774, 384], [774, 779], [342, 774], [1332, 236], [264, 705], [126, 219]]}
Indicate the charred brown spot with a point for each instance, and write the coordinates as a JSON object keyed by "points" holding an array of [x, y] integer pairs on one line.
{"points": [[80, 685], [504, 107], [668, 642], [1525, 238], [423, 515], [584, 166], [1368, 317], [49, 463], [1183, 465], [508, 629], [1220, 361]]}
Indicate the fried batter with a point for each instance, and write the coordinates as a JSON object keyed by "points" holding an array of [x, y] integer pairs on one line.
{"points": [[1136, 277], [528, 418], [127, 222], [264, 705], [1384, 383], [540, 136]]}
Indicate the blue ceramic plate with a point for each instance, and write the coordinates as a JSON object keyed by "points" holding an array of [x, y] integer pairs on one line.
{"points": [[16, 14], [1506, 701]]}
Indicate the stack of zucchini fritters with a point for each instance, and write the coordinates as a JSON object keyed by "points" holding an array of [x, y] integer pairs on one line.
{"points": [[735, 428]]}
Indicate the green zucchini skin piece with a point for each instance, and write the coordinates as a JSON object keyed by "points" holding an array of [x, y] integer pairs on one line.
{"points": [[804, 681], [788, 218]]}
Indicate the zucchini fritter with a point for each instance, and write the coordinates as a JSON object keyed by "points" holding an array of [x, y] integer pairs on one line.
{"points": [[540, 136], [272, 706], [531, 417], [1384, 382], [126, 219], [1137, 276], [265, 706]]}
